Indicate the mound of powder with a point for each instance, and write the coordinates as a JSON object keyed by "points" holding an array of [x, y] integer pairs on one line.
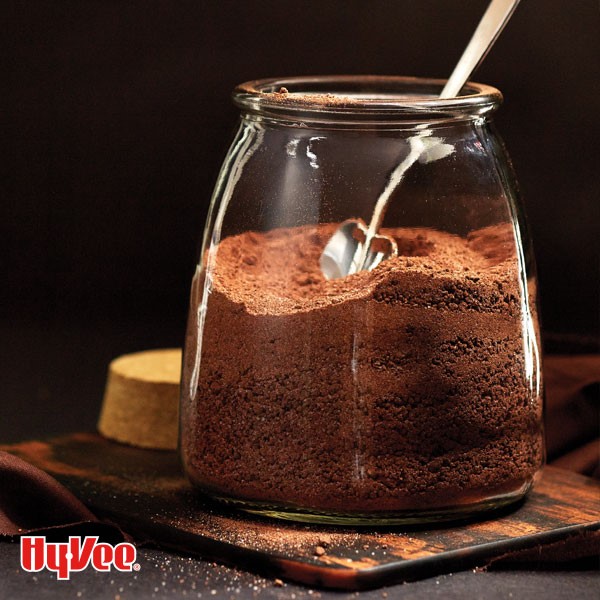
{"points": [[399, 389]]}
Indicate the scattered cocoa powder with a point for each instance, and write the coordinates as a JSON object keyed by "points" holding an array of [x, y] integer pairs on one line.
{"points": [[399, 389]]}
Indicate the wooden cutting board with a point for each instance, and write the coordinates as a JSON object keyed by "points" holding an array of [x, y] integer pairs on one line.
{"points": [[145, 493]]}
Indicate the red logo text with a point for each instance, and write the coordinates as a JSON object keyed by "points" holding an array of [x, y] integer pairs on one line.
{"points": [[76, 555]]}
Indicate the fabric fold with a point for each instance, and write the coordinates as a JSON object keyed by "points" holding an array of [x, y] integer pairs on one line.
{"points": [[31, 501]]}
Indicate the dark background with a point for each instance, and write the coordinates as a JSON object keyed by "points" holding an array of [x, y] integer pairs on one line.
{"points": [[116, 117]]}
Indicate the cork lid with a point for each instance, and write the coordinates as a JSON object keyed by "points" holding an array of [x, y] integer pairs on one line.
{"points": [[141, 399]]}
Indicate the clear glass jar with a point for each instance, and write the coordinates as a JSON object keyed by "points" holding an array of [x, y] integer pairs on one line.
{"points": [[406, 393]]}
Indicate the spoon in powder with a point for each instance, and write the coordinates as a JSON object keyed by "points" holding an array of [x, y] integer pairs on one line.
{"points": [[356, 246]]}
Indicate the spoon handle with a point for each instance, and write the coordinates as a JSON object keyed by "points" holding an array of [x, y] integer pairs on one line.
{"points": [[491, 25]]}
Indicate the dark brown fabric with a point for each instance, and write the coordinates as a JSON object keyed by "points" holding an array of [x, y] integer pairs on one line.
{"points": [[584, 459], [573, 412], [31, 500]]}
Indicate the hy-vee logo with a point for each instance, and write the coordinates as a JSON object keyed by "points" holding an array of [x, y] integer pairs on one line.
{"points": [[76, 555]]}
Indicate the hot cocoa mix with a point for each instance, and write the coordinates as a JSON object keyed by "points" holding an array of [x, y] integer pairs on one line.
{"points": [[403, 388]]}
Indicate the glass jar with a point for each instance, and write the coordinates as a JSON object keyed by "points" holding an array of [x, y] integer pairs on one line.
{"points": [[409, 392]]}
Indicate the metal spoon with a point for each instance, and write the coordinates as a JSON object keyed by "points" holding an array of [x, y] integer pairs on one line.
{"points": [[357, 247]]}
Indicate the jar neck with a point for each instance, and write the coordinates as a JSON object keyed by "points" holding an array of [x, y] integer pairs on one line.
{"points": [[363, 101]]}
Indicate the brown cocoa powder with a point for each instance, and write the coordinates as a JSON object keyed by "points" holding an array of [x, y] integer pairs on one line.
{"points": [[399, 389]]}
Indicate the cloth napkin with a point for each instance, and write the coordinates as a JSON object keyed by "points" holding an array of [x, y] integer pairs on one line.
{"points": [[573, 412], [33, 502]]}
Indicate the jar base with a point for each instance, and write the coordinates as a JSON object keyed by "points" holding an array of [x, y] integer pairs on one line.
{"points": [[405, 517]]}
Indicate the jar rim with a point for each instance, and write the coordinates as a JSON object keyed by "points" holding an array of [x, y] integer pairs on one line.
{"points": [[363, 97]]}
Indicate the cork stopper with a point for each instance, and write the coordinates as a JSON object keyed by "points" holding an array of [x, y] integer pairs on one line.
{"points": [[141, 400]]}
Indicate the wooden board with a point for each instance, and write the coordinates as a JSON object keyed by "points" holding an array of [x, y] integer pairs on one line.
{"points": [[145, 492]]}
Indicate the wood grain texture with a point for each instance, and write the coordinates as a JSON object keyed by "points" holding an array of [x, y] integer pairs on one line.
{"points": [[145, 492]]}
